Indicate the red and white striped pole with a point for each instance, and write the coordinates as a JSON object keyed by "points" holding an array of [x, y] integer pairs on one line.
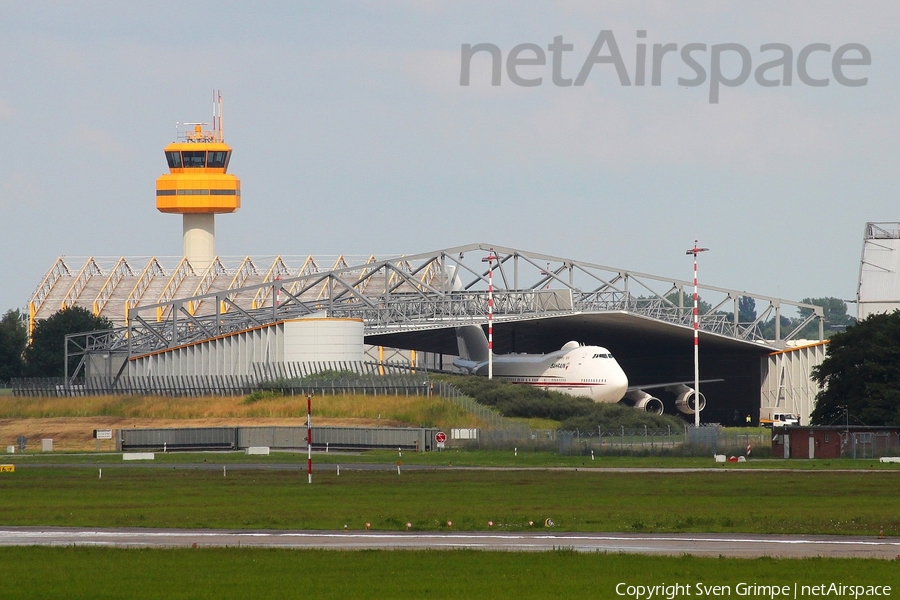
{"points": [[490, 260], [309, 436], [695, 251]]}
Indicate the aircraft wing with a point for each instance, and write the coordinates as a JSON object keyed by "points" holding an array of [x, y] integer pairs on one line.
{"points": [[469, 366], [651, 386]]}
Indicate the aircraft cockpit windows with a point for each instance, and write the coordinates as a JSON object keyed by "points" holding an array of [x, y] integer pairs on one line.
{"points": [[602, 355], [174, 159], [194, 159], [216, 159]]}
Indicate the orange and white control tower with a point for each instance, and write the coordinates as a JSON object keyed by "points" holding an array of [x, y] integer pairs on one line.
{"points": [[198, 185]]}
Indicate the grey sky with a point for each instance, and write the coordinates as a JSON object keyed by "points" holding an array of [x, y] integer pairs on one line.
{"points": [[351, 134]]}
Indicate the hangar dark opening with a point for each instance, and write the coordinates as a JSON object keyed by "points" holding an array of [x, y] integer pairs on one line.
{"points": [[649, 351]]}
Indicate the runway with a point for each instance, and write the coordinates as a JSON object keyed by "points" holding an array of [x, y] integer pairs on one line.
{"points": [[739, 545]]}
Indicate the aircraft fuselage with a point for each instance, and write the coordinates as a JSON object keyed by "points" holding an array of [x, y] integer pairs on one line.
{"points": [[575, 370]]}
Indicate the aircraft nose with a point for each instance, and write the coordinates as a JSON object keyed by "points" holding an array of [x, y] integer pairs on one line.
{"points": [[619, 380]]}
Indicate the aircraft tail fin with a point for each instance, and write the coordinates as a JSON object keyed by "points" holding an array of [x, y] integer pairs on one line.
{"points": [[472, 343]]}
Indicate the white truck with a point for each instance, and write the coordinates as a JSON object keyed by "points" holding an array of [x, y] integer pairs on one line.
{"points": [[780, 419]]}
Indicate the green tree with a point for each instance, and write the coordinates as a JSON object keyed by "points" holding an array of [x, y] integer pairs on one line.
{"points": [[746, 310], [687, 299], [767, 328], [13, 339], [861, 372], [45, 356], [835, 313]]}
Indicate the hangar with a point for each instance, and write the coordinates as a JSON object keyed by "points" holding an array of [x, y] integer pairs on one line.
{"points": [[539, 302]]}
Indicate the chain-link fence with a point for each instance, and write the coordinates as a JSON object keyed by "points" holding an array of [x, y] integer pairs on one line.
{"points": [[687, 441], [870, 444], [222, 385]]}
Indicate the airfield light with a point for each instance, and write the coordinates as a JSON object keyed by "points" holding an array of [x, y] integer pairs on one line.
{"points": [[695, 251], [490, 258]]}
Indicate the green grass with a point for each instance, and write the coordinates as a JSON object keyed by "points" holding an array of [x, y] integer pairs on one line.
{"points": [[222, 574], [460, 458], [753, 502]]}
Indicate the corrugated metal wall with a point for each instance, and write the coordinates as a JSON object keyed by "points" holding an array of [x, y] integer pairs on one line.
{"points": [[787, 384], [199, 438], [234, 438], [234, 354]]}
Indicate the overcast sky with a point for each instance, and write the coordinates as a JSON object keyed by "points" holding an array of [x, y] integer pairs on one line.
{"points": [[352, 134]]}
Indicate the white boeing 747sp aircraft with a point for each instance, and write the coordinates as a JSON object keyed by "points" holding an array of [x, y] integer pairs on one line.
{"points": [[575, 369]]}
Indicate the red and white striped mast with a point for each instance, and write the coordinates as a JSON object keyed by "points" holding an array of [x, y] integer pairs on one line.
{"points": [[490, 258], [309, 436], [695, 251]]}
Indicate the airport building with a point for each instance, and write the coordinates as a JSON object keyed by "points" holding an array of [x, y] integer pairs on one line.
{"points": [[414, 303], [202, 314], [879, 283]]}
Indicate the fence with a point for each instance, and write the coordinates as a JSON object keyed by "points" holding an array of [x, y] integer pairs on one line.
{"points": [[626, 442], [868, 444], [494, 421], [223, 385], [184, 385]]}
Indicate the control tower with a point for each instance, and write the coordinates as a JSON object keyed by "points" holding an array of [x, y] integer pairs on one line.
{"points": [[198, 185]]}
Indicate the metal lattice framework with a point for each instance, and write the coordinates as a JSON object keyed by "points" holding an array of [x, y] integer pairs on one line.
{"points": [[444, 288]]}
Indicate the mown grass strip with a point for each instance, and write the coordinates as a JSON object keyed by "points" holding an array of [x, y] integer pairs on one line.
{"points": [[813, 502], [225, 573], [464, 458]]}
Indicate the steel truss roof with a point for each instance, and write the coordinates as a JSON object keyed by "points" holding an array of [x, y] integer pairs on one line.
{"points": [[444, 288]]}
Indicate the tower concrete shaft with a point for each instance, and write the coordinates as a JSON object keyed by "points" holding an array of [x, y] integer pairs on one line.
{"points": [[200, 239]]}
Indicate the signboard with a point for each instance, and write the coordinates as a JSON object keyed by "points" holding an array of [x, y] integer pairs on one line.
{"points": [[103, 434], [440, 437], [7, 468]]}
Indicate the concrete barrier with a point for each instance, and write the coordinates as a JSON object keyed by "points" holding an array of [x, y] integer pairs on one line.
{"points": [[10, 449], [720, 458], [47, 445], [264, 450], [138, 456], [890, 459]]}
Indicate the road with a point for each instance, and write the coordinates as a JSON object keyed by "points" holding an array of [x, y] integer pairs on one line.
{"points": [[735, 545]]}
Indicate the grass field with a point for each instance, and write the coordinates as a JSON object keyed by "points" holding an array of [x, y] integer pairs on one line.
{"points": [[221, 574], [461, 457], [753, 502], [173, 493], [70, 421], [413, 410]]}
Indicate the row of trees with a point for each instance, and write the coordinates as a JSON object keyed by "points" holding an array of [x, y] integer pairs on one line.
{"points": [[45, 355], [834, 309]]}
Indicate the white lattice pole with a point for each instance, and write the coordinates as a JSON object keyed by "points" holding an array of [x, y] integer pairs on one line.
{"points": [[695, 251]]}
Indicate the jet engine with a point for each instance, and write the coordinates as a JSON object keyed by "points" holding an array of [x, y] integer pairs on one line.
{"points": [[685, 398], [644, 401]]}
